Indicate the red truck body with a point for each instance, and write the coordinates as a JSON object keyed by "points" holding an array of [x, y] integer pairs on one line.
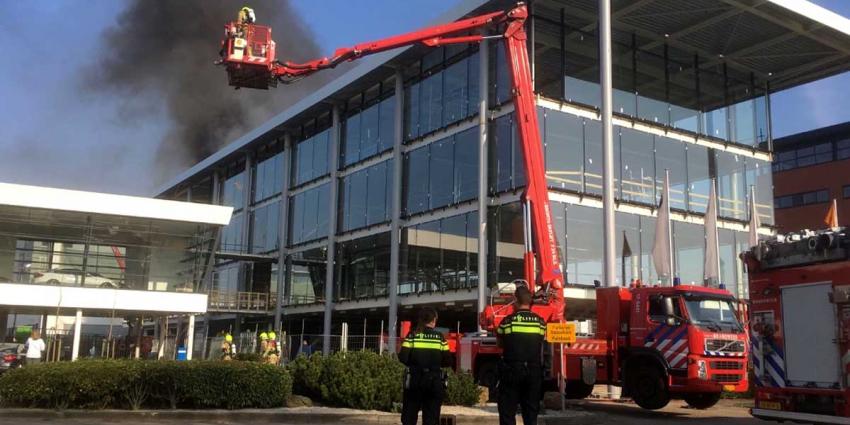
{"points": [[653, 356], [800, 326]]}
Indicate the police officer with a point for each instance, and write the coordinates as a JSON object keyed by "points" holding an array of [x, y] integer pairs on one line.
{"points": [[424, 351], [520, 336]]}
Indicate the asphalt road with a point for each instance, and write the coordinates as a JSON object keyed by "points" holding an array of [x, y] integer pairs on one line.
{"points": [[676, 413]]}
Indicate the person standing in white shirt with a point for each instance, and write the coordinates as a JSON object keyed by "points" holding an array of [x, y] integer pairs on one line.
{"points": [[35, 346]]}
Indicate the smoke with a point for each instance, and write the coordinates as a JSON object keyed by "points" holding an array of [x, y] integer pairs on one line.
{"points": [[159, 56]]}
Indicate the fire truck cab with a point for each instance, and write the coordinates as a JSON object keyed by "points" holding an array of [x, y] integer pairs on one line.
{"points": [[800, 325], [657, 342]]}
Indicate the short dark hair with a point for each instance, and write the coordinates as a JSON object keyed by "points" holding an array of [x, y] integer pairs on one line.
{"points": [[426, 316], [523, 295]]}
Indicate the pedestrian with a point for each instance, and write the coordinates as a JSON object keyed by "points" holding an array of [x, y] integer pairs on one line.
{"points": [[424, 351], [306, 349], [34, 347], [520, 336]]}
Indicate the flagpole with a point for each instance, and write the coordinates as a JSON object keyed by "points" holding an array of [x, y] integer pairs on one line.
{"points": [[720, 283], [669, 225]]}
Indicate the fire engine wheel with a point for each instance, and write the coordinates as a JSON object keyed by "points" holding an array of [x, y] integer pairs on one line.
{"points": [[702, 400], [648, 388], [577, 390]]}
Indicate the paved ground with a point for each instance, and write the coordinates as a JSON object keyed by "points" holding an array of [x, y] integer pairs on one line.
{"points": [[581, 413], [676, 413]]}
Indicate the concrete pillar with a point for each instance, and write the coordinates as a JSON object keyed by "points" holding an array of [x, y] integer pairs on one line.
{"points": [[78, 327], [4, 324], [190, 337], [336, 133], [483, 161], [395, 212]]}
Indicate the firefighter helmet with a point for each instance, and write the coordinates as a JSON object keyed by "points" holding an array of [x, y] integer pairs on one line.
{"points": [[228, 337], [263, 336], [246, 15], [272, 335]]}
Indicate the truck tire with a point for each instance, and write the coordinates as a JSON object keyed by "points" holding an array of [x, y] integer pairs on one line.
{"points": [[702, 400], [577, 390], [648, 387], [488, 376]]}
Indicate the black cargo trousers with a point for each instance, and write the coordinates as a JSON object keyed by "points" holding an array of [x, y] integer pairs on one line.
{"points": [[519, 384], [424, 392]]}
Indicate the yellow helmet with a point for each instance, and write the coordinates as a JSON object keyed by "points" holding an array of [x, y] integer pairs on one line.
{"points": [[228, 337], [272, 335], [263, 336]]}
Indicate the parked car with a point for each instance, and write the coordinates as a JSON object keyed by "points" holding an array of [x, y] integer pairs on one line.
{"points": [[73, 277], [11, 356]]}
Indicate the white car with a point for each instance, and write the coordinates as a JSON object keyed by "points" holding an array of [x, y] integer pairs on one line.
{"points": [[73, 277]]}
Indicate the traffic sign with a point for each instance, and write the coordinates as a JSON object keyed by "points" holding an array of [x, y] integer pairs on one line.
{"points": [[564, 333]]}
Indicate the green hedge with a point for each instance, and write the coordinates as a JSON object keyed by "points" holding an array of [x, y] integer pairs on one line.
{"points": [[121, 384], [366, 380]]}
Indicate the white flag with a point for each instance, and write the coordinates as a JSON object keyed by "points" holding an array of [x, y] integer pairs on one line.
{"points": [[711, 274], [754, 218], [662, 252]]}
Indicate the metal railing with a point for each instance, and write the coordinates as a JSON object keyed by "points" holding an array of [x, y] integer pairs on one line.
{"points": [[240, 301]]}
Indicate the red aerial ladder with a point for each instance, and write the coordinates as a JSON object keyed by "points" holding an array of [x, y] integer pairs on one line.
{"points": [[656, 342], [248, 53]]}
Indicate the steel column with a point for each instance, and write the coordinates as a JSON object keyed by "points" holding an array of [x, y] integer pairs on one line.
{"points": [[283, 234], [332, 218], [607, 142], [483, 199], [395, 211]]}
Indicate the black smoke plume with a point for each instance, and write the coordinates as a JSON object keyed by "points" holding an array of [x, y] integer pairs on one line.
{"points": [[160, 54]]}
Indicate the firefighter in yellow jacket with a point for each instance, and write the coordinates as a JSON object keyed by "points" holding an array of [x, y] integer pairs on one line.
{"points": [[424, 351]]}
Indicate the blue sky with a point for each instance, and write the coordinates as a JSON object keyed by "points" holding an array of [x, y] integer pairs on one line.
{"points": [[52, 134]]}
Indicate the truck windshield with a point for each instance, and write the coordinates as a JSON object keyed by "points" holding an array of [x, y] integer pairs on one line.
{"points": [[716, 314]]}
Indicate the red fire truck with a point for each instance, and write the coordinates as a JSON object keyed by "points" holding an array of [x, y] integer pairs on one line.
{"points": [[656, 342], [800, 326]]}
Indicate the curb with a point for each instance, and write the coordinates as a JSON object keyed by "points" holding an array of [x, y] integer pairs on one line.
{"points": [[282, 415]]}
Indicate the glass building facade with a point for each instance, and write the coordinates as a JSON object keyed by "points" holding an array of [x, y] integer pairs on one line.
{"points": [[399, 152]]}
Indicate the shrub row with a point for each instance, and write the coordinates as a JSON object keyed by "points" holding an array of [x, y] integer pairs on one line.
{"points": [[366, 380], [120, 384]]}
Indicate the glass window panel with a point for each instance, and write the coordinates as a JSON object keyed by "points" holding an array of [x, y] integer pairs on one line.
{"points": [[466, 165], [296, 212], [303, 168], [647, 240], [731, 187], [369, 127], [344, 206], [453, 247], [357, 206], [559, 223], [264, 229], [472, 248], [411, 111], [473, 64], [517, 157], [563, 138], [323, 195], [584, 244], [728, 257], [386, 126], [311, 203], [689, 244], [233, 191], [583, 92], [628, 248], [455, 92], [593, 157], [376, 210], [699, 179], [500, 144], [507, 244], [431, 111], [760, 175], [441, 174], [638, 166], [320, 154], [351, 140], [416, 181], [500, 78], [743, 122], [624, 102], [670, 155], [715, 123]]}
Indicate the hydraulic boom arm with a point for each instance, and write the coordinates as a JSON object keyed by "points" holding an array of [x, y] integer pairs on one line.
{"points": [[542, 265]]}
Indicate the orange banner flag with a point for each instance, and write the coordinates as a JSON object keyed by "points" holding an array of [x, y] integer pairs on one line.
{"points": [[831, 218]]}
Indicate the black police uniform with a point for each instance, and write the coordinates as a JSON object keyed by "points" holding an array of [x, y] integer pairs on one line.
{"points": [[423, 353], [521, 370]]}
